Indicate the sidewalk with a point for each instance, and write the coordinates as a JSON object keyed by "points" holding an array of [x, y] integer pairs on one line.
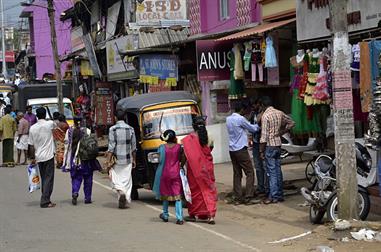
{"points": [[224, 174]]}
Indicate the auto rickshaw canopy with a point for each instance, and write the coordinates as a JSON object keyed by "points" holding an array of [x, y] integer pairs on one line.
{"points": [[137, 103]]}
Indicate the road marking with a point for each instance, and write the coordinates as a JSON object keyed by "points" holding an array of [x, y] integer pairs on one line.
{"points": [[225, 237], [291, 238]]}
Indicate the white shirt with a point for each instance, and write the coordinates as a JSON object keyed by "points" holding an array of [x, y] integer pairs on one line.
{"points": [[41, 137]]}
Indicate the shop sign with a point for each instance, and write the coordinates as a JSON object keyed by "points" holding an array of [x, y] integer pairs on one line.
{"points": [[314, 23], [213, 60], [104, 104], [153, 12], [118, 69], [161, 66], [76, 39]]}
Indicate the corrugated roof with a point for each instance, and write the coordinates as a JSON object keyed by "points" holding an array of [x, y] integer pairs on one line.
{"points": [[257, 30], [161, 37]]}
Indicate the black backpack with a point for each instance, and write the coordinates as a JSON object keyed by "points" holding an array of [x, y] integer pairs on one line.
{"points": [[88, 148]]}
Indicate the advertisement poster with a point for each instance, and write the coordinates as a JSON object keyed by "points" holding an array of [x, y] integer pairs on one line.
{"points": [[104, 104], [118, 69]]}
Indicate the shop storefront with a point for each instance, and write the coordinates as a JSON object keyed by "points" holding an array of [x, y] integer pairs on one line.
{"points": [[315, 43]]}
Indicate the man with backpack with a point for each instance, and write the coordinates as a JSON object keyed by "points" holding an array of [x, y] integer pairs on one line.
{"points": [[81, 151], [121, 158]]}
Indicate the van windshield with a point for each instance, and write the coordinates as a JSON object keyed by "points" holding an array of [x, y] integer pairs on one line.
{"points": [[178, 119], [54, 108]]}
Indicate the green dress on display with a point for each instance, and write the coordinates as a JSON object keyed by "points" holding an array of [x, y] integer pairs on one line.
{"points": [[298, 107]]}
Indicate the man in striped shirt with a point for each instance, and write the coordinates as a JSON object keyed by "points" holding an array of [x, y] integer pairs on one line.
{"points": [[274, 124]]}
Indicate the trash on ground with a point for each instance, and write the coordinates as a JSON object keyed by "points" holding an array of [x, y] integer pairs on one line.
{"points": [[324, 249], [345, 239], [364, 235], [342, 225], [305, 204]]}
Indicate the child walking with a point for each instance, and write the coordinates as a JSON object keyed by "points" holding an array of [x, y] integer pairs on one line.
{"points": [[167, 184]]}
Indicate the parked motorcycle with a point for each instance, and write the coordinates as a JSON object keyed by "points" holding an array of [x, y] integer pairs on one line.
{"points": [[323, 196]]}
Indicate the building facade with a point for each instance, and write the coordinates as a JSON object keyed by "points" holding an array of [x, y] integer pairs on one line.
{"points": [[40, 56]]}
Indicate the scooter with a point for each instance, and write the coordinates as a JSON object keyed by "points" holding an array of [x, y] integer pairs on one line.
{"points": [[323, 196], [289, 148]]}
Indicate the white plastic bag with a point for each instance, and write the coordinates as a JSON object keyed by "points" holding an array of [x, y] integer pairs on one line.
{"points": [[34, 178], [186, 188]]}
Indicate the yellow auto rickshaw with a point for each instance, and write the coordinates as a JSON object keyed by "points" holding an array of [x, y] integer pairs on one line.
{"points": [[150, 115]]}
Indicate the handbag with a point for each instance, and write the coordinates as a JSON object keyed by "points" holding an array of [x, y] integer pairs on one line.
{"points": [[186, 188]]}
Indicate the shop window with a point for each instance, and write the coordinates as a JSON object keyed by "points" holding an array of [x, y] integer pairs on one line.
{"points": [[224, 9]]}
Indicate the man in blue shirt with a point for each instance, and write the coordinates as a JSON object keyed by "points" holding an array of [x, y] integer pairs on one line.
{"points": [[238, 126]]}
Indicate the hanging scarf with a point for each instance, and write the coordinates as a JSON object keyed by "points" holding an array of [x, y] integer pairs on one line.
{"points": [[159, 171]]}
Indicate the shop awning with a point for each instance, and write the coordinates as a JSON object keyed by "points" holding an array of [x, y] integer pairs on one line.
{"points": [[257, 30]]}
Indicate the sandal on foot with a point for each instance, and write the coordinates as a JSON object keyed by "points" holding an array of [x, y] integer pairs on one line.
{"points": [[211, 221], [179, 222], [161, 216], [122, 201]]}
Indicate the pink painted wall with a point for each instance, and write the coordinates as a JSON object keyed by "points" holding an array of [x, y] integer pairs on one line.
{"points": [[210, 15]]}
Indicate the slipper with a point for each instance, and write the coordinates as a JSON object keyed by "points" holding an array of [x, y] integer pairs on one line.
{"points": [[161, 216]]}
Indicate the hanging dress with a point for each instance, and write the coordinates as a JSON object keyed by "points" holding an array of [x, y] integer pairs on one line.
{"points": [[271, 60], [303, 83], [313, 72], [321, 93], [298, 108], [236, 87]]}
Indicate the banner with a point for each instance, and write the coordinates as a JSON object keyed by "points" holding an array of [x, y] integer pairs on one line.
{"points": [[153, 12]]}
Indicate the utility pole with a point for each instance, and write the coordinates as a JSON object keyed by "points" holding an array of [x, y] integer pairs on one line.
{"points": [[343, 113], [51, 13], [5, 72]]}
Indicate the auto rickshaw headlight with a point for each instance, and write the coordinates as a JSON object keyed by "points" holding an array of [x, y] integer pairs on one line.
{"points": [[153, 157]]}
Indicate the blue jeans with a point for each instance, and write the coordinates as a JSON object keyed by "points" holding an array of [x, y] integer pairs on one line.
{"points": [[274, 172], [178, 207], [260, 170]]}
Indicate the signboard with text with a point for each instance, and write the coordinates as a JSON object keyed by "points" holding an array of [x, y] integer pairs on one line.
{"points": [[213, 60], [154, 11], [104, 104], [163, 66]]}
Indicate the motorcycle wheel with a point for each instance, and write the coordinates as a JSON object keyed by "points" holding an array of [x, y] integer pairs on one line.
{"points": [[310, 172], [316, 214], [364, 206]]}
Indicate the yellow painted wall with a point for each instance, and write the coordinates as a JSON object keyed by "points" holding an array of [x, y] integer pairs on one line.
{"points": [[274, 7]]}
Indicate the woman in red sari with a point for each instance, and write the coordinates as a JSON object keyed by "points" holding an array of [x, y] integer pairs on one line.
{"points": [[200, 173]]}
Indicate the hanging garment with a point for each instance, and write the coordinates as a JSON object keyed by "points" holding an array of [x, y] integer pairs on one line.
{"points": [[365, 78], [375, 50], [303, 83], [355, 65], [313, 72], [238, 68], [321, 95], [236, 87], [247, 56], [271, 60]]}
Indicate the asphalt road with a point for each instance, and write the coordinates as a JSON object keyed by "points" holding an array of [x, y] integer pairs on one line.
{"points": [[24, 226]]}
